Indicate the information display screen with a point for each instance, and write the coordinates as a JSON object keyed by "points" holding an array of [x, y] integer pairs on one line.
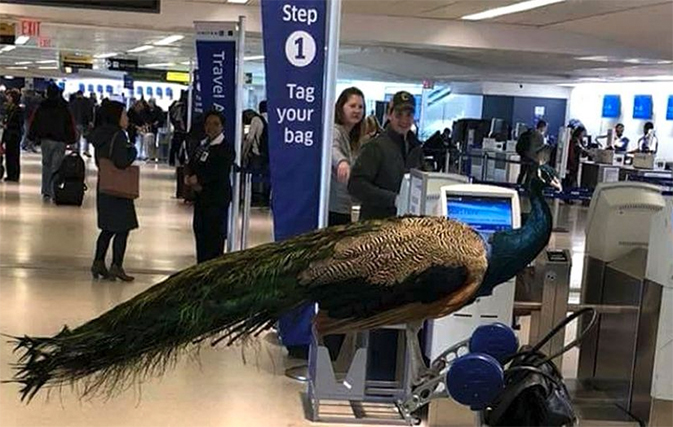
{"points": [[486, 215], [128, 5], [612, 106], [642, 107]]}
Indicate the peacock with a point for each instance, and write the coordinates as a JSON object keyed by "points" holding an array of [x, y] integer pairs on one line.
{"points": [[362, 275]]}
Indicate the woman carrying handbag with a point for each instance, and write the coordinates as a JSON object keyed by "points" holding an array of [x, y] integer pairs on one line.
{"points": [[116, 213]]}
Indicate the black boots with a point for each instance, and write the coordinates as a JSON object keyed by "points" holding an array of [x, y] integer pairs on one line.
{"points": [[98, 269], [118, 272]]}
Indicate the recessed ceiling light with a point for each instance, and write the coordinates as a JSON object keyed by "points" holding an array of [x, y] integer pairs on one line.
{"points": [[253, 58], [186, 63], [17, 68], [7, 48], [47, 68], [23, 63], [9, 77], [168, 40], [513, 8], [633, 61], [105, 55], [238, 1], [594, 58], [48, 61], [161, 64], [21, 40], [141, 48]]}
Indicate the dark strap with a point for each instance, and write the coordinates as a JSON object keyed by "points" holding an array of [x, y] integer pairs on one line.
{"points": [[556, 330], [112, 144]]}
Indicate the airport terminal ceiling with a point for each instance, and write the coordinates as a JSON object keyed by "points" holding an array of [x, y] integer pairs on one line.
{"points": [[562, 43]]}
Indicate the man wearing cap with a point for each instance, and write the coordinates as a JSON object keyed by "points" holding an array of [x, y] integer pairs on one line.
{"points": [[377, 174]]}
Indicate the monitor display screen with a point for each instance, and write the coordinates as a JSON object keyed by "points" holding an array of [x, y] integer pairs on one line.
{"points": [[642, 107], [129, 5], [486, 215], [612, 106], [669, 109]]}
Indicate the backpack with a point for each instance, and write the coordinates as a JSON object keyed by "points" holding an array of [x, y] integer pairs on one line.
{"points": [[523, 143], [72, 168]]}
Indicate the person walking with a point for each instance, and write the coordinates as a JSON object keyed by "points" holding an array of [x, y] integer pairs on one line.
{"points": [[116, 215], [53, 128], [13, 132], [208, 175], [346, 138]]}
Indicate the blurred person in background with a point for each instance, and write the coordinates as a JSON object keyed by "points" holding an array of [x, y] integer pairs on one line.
{"points": [[12, 125], [83, 115], [53, 128]]}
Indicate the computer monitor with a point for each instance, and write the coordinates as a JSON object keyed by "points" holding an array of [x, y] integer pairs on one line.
{"points": [[487, 209], [486, 214], [619, 219]]}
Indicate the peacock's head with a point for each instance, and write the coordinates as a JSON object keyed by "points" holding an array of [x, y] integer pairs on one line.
{"points": [[547, 177]]}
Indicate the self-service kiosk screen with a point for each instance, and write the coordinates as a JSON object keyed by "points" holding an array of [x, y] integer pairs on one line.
{"points": [[486, 215]]}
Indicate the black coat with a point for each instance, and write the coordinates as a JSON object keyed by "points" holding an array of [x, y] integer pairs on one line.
{"points": [[52, 120], [212, 170], [378, 172], [115, 214], [13, 125]]}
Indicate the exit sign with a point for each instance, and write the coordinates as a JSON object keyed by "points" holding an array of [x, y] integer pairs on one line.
{"points": [[30, 28]]}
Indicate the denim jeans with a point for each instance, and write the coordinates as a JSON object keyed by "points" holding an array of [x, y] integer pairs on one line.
{"points": [[53, 153]]}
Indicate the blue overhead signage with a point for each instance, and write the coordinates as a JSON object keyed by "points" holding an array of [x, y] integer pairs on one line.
{"points": [[128, 82], [90, 88], [612, 106], [216, 56], [293, 33], [149, 91], [669, 109], [160, 92], [642, 107], [99, 88]]}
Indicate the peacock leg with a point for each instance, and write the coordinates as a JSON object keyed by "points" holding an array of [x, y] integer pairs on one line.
{"points": [[418, 368]]}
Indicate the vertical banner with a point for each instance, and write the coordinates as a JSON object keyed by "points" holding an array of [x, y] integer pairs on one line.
{"points": [[293, 32], [294, 46], [216, 83]]}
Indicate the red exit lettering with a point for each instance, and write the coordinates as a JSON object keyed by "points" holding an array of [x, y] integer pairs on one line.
{"points": [[30, 28]]}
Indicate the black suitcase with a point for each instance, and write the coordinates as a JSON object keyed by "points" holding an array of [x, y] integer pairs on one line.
{"points": [[183, 191], [69, 192]]}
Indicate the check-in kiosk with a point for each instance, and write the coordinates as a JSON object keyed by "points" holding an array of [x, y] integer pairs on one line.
{"points": [[617, 357], [487, 209], [660, 272], [420, 192]]}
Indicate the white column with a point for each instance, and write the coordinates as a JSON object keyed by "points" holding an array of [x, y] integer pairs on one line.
{"points": [[329, 98]]}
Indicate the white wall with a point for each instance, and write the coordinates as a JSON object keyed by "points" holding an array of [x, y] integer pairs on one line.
{"points": [[586, 105], [454, 107], [512, 89]]}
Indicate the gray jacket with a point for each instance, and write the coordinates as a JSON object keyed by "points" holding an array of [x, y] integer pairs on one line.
{"points": [[339, 199]]}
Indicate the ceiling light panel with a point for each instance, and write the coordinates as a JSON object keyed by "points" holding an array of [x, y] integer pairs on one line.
{"points": [[168, 40], [513, 8], [238, 1], [21, 40], [141, 49], [105, 55]]}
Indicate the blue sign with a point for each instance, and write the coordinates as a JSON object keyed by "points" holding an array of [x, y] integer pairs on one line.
{"points": [[149, 91], [612, 106], [99, 88], [669, 109], [82, 87], [139, 91], [294, 46], [169, 92], [90, 88], [642, 107], [128, 82], [108, 89], [216, 56], [160, 92]]}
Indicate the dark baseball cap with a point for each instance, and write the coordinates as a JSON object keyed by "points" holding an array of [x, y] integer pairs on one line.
{"points": [[403, 101]]}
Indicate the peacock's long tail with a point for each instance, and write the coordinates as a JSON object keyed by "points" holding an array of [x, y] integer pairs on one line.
{"points": [[144, 335], [227, 299]]}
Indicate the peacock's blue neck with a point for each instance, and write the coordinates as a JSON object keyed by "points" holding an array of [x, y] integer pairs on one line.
{"points": [[511, 251]]}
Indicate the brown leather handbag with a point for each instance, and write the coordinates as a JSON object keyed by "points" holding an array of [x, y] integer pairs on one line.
{"points": [[124, 183]]}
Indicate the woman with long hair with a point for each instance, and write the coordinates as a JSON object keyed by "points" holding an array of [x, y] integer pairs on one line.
{"points": [[346, 140], [116, 215]]}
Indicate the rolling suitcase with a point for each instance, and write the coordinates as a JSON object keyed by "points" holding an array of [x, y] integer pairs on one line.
{"points": [[69, 192]]}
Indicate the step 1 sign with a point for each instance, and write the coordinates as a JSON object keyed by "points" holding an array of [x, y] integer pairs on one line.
{"points": [[294, 50]]}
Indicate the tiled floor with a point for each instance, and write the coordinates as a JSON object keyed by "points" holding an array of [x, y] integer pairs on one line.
{"points": [[45, 254]]}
